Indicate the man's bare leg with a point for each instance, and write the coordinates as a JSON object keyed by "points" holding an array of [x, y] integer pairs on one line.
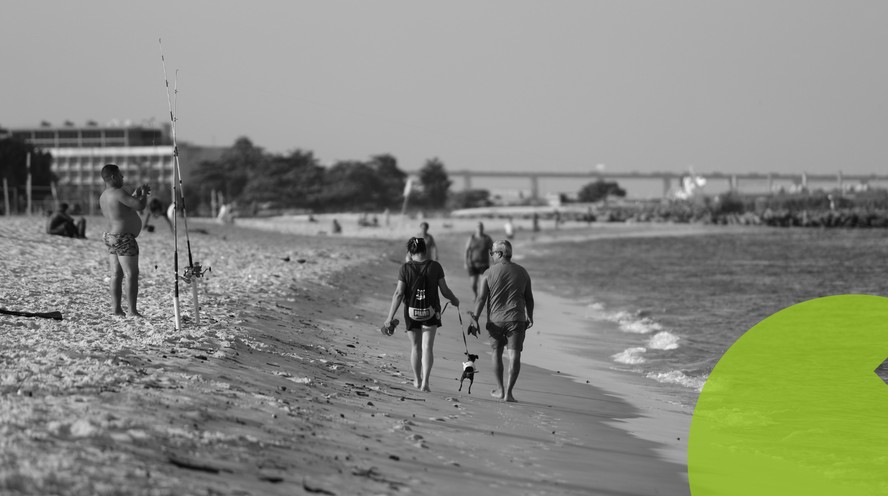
{"points": [[130, 266], [116, 278], [498, 372], [514, 370], [475, 285]]}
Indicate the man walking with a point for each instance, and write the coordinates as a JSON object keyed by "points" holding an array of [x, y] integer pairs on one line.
{"points": [[431, 247], [478, 255], [120, 205], [506, 290]]}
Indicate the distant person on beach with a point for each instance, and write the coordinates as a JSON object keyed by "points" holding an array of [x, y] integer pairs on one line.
{"points": [[477, 255], [431, 247], [226, 214], [420, 272], [156, 210], [509, 229], [62, 224], [120, 205], [506, 290], [536, 222], [336, 228]]}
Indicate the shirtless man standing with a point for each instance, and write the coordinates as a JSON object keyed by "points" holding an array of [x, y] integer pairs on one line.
{"points": [[120, 205]]}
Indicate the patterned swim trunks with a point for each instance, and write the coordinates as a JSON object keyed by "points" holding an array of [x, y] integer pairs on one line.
{"points": [[121, 244]]}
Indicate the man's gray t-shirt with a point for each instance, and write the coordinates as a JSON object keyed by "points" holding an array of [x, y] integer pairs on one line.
{"points": [[508, 283]]}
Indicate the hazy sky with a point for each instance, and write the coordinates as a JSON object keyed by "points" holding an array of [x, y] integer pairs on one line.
{"points": [[761, 86]]}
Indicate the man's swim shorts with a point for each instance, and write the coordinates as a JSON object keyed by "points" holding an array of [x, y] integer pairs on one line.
{"points": [[121, 244], [507, 334]]}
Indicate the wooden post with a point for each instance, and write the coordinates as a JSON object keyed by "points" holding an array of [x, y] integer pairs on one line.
{"points": [[6, 197], [28, 191], [408, 187], [535, 187], [55, 198]]}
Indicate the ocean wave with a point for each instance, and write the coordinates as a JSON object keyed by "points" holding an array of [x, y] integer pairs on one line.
{"points": [[633, 323], [630, 356], [642, 326], [680, 378], [663, 340], [596, 306]]}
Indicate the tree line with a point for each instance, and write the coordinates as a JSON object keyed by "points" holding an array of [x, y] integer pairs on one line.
{"points": [[257, 180], [246, 174]]}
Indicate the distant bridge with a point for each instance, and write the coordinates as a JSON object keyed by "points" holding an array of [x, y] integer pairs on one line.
{"points": [[733, 180]]}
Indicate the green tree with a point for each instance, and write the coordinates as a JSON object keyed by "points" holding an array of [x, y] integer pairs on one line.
{"points": [[239, 164], [350, 185], [391, 179], [229, 175], [435, 183], [295, 180], [600, 190]]}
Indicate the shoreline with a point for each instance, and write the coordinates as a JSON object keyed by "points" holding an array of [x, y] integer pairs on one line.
{"points": [[658, 419], [287, 385]]}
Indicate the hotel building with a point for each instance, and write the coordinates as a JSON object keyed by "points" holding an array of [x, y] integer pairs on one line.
{"points": [[144, 153]]}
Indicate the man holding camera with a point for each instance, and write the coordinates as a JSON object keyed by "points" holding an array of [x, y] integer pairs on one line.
{"points": [[506, 290], [120, 205]]}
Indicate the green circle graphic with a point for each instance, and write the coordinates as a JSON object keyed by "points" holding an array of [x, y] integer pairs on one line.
{"points": [[795, 407]]}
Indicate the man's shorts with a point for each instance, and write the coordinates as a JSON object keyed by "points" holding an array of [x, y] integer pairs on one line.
{"points": [[508, 334], [477, 270], [121, 244]]}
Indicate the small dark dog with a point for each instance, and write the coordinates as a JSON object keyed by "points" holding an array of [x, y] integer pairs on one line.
{"points": [[468, 372]]}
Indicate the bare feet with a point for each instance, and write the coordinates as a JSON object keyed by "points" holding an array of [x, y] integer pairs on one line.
{"points": [[134, 314], [426, 388], [496, 393], [416, 383], [510, 399]]}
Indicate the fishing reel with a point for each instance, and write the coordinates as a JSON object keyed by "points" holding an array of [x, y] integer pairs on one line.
{"points": [[196, 270]]}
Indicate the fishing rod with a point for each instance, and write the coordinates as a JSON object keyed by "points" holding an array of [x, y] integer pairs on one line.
{"points": [[193, 270]]}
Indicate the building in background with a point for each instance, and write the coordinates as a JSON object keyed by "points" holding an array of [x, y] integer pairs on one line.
{"points": [[144, 153]]}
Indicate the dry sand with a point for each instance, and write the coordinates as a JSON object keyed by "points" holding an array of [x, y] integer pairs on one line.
{"points": [[287, 386]]}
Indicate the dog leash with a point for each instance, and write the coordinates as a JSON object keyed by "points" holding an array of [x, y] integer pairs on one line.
{"points": [[461, 327]]}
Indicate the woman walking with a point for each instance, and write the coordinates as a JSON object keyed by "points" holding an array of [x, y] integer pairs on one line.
{"points": [[419, 281]]}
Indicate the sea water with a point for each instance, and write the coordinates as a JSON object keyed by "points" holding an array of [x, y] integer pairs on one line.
{"points": [[667, 307]]}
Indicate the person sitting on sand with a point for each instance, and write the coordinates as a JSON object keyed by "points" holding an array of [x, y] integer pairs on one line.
{"points": [[155, 209], [62, 224], [421, 333], [506, 290], [120, 205]]}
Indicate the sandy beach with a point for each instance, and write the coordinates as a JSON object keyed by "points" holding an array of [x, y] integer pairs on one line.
{"points": [[287, 386]]}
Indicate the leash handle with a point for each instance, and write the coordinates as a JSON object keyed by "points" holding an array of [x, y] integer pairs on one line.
{"points": [[463, 329]]}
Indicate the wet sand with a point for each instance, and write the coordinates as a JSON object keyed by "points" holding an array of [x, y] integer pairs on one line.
{"points": [[287, 386]]}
